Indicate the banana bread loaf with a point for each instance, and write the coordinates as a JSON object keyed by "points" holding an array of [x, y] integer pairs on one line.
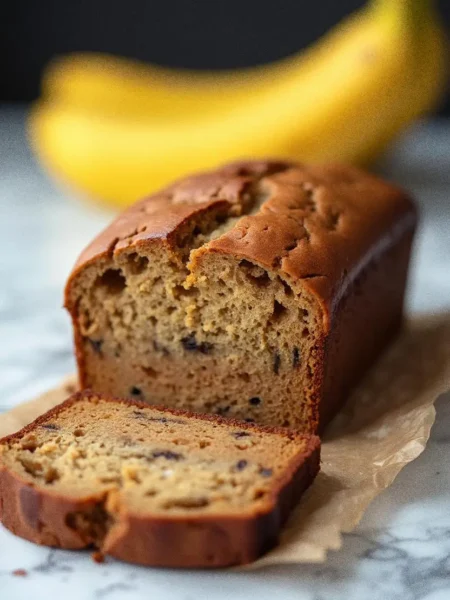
{"points": [[150, 485], [261, 291]]}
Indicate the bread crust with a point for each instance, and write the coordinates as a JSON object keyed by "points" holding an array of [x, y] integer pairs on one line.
{"points": [[328, 229], [44, 517]]}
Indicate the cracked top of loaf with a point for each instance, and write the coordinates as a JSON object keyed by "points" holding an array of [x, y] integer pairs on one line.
{"points": [[318, 224]]}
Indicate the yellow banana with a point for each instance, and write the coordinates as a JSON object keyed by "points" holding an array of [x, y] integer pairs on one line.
{"points": [[344, 102], [120, 86], [426, 87]]}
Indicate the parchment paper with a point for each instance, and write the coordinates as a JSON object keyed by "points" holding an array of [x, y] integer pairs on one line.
{"points": [[384, 426]]}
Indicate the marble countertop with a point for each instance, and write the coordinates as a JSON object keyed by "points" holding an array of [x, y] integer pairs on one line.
{"points": [[401, 549]]}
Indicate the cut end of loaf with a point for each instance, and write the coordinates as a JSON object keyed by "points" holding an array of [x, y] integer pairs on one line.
{"points": [[226, 336], [173, 321]]}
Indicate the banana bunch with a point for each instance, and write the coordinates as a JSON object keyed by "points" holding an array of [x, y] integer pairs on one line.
{"points": [[116, 130]]}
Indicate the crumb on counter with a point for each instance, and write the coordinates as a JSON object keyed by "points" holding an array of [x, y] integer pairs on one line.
{"points": [[98, 557]]}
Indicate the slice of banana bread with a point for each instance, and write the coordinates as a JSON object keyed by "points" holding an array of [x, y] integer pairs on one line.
{"points": [[150, 485], [261, 291]]}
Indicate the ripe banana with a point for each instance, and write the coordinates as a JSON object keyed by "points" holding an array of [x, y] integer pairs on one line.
{"points": [[120, 86], [344, 99]]}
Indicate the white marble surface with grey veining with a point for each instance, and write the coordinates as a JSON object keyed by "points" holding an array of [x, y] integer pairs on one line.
{"points": [[401, 549]]}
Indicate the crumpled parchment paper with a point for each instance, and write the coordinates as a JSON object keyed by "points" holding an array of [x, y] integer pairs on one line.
{"points": [[384, 426]]}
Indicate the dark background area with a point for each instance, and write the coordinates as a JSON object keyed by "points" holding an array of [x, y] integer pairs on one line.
{"points": [[185, 33]]}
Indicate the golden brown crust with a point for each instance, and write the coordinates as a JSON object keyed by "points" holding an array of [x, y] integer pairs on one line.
{"points": [[320, 224], [161, 215], [44, 517], [368, 318]]}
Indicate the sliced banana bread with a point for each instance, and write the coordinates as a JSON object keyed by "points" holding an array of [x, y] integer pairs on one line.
{"points": [[260, 291], [152, 486]]}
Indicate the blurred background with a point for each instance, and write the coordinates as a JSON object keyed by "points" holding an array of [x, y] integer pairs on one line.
{"points": [[156, 90], [181, 33]]}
